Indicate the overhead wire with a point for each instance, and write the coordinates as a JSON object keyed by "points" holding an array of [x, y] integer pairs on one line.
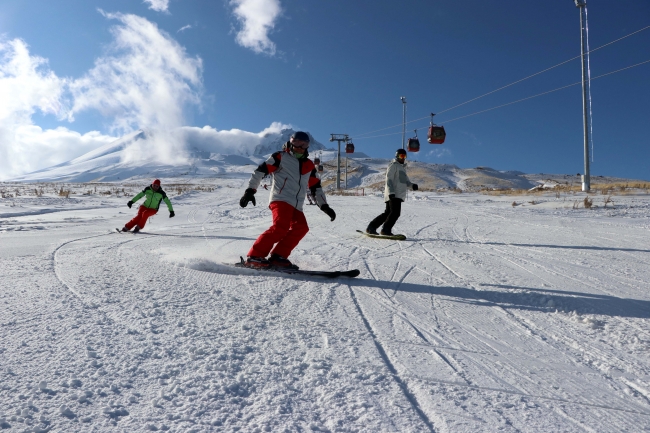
{"points": [[356, 136], [519, 100]]}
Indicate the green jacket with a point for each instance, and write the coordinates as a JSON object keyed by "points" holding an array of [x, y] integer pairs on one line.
{"points": [[153, 198]]}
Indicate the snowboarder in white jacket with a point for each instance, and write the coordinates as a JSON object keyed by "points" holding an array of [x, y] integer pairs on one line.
{"points": [[397, 183], [293, 174]]}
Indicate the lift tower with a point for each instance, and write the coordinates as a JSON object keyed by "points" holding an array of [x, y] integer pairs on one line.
{"points": [[339, 137]]}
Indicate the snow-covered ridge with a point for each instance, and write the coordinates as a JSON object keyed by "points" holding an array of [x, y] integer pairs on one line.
{"points": [[204, 153], [197, 151]]}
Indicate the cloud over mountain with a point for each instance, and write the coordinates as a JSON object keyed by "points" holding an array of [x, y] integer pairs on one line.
{"points": [[145, 79]]}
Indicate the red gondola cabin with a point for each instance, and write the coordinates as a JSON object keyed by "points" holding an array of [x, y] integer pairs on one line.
{"points": [[349, 148], [413, 145], [436, 134]]}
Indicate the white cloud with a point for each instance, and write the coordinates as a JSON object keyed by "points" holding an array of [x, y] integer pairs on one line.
{"points": [[145, 80], [257, 19], [233, 141], [34, 148], [26, 86], [182, 29], [439, 152], [158, 5]]}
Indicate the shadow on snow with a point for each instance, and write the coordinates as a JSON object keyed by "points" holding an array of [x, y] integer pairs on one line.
{"points": [[523, 298]]}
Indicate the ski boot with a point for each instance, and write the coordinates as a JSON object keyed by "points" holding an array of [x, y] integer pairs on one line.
{"points": [[136, 229], [280, 262], [371, 231], [257, 262]]}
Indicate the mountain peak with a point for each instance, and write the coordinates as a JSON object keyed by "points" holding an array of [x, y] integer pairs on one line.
{"points": [[274, 142]]}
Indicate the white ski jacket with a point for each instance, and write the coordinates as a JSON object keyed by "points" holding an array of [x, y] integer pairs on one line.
{"points": [[397, 181], [291, 178]]}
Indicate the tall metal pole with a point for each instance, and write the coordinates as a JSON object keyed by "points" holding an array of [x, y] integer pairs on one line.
{"points": [[339, 138], [338, 168], [586, 177], [403, 98]]}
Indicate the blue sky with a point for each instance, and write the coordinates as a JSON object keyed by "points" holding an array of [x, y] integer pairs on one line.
{"points": [[328, 67]]}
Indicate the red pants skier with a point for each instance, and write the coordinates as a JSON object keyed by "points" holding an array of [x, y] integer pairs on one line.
{"points": [[154, 195], [141, 218]]}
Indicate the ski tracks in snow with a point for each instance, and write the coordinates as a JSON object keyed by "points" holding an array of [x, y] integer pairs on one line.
{"points": [[523, 382], [485, 319]]}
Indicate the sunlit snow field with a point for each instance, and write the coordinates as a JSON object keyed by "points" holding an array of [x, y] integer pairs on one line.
{"points": [[488, 318]]}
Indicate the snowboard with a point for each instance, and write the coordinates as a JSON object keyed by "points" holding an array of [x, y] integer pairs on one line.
{"points": [[394, 237], [326, 274]]}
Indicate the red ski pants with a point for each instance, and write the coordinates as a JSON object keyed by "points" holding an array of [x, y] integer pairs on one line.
{"points": [[289, 227], [141, 218]]}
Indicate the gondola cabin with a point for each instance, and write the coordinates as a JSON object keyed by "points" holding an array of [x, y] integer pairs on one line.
{"points": [[316, 161], [413, 144], [320, 168], [436, 134], [349, 148]]}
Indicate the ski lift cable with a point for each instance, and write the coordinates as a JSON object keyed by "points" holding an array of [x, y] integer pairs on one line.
{"points": [[519, 100], [541, 72], [508, 85], [549, 91]]}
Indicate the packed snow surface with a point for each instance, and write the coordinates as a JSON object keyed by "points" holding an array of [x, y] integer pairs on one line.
{"points": [[490, 317]]}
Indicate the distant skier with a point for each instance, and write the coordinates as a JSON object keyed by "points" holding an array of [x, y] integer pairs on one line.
{"points": [[154, 195], [293, 173], [397, 183]]}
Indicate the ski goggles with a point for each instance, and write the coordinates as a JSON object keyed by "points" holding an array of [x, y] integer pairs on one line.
{"points": [[401, 155], [300, 144]]}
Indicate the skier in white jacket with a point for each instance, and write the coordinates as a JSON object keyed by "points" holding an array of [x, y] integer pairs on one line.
{"points": [[293, 175], [397, 182]]}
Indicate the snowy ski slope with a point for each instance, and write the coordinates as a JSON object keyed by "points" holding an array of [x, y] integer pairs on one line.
{"points": [[488, 318]]}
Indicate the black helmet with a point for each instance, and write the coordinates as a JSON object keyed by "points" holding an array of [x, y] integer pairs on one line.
{"points": [[302, 136], [400, 152]]}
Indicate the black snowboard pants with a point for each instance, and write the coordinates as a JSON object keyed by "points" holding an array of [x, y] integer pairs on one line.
{"points": [[389, 217]]}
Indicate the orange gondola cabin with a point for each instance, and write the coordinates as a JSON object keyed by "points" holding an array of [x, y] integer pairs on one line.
{"points": [[436, 133], [413, 144]]}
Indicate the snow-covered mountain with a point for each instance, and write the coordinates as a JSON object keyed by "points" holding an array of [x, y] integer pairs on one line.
{"points": [[195, 151], [204, 153], [274, 142]]}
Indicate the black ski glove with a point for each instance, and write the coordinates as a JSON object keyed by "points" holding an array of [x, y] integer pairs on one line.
{"points": [[249, 196], [414, 186], [329, 211], [129, 204], [391, 196], [171, 214]]}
